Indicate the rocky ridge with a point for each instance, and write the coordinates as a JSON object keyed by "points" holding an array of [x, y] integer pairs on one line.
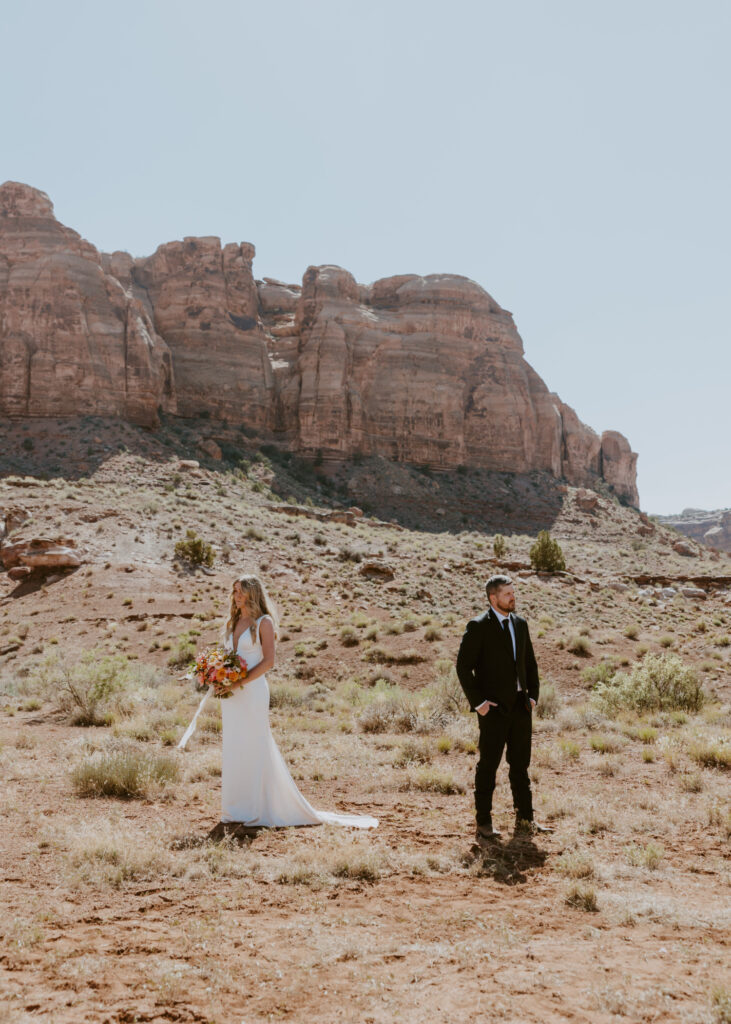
{"points": [[423, 370], [710, 528]]}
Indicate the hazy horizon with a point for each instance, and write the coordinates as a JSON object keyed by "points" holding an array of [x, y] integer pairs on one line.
{"points": [[569, 159]]}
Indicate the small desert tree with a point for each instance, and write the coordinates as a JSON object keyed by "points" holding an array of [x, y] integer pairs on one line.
{"points": [[498, 545], [546, 554], [194, 549]]}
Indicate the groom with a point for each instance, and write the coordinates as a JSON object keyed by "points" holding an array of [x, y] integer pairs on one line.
{"points": [[498, 672]]}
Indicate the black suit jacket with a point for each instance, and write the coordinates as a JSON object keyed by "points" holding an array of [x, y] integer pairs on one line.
{"points": [[485, 665]]}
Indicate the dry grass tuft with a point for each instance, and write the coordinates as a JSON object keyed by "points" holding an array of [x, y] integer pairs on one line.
{"points": [[649, 856], [582, 897], [126, 773], [711, 753], [575, 864], [431, 780]]}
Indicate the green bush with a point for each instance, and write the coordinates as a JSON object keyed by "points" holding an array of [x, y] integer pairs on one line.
{"points": [[546, 554], [499, 546], [194, 549], [661, 682]]}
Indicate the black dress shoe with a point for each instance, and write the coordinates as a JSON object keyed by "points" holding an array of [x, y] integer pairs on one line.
{"points": [[484, 833]]}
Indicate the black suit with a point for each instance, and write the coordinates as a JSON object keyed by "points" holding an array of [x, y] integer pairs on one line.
{"points": [[487, 670]]}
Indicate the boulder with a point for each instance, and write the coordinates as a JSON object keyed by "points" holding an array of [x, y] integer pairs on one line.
{"points": [[682, 547], [693, 592], [19, 572], [376, 569], [56, 558], [39, 551], [587, 501], [209, 446]]}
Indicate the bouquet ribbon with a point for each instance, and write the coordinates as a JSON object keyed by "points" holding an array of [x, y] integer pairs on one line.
{"points": [[191, 728]]}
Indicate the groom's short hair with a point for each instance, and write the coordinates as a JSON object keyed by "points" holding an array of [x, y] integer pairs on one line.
{"points": [[495, 582]]}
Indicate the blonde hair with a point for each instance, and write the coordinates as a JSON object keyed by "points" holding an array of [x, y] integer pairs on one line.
{"points": [[259, 603]]}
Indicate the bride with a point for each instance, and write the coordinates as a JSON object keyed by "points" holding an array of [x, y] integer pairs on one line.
{"points": [[257, 789]]}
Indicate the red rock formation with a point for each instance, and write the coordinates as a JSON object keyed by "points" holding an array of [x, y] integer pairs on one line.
{"points": [[206, 306], [427, 370], [72, 341]]}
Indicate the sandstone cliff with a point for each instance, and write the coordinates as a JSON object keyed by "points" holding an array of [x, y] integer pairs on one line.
{"points": [[427, 370], [72, 340]]}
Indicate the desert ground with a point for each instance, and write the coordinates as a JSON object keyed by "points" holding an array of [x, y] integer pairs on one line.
{"points": [[122, 902]]}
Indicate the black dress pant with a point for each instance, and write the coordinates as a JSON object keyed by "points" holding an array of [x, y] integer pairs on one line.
{"points": [[510, 731]]}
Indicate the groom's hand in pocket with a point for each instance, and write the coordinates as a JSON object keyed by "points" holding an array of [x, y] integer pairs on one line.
{"points": [[482, 709]]}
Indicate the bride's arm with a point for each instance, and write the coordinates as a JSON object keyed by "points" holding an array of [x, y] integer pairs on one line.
{"points": [[266, 635]]}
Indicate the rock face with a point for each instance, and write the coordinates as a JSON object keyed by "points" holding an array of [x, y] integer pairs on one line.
{"points": [[427, 370], [710, 528], [72, 340]]}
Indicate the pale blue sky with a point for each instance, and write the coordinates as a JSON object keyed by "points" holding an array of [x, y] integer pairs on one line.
{"points": [[572, 156]]}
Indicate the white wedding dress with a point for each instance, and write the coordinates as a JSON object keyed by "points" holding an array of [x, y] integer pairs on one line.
{"points": [[256, 787]]}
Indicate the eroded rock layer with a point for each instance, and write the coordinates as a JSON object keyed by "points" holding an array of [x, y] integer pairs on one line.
{"points": [[426, 370]]}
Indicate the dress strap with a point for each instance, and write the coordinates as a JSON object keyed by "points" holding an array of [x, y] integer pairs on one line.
{"points": [[255, 632]]}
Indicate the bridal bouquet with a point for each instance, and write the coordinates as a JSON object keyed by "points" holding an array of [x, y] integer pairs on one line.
{"points": [[219, 669]]}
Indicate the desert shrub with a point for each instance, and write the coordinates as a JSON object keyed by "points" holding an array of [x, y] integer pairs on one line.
{"points": [[349, 637], [604, 744], [125, 773], [546, 555], [721, 1004], [579, 646], [602, 673], [281, 695], [380, 715], [659, 682], [432, 780], [194, 549], [648, 856], [582, 897], [412, 752], [348, 553], [632, 631], [548, 701], [499, 546], [575, 864], [109, 855], [183, 653], [88, 690], [447, 693], [432, 633], [711, 753], [380, 656]]}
